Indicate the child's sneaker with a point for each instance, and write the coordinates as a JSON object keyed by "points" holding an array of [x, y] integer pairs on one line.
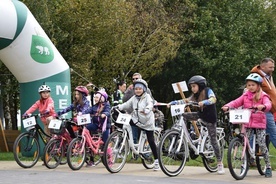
{"points": [[221, 169], [156, 166], [90, 164], [268, 173]]}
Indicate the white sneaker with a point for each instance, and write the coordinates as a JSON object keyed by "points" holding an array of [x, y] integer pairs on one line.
{"points": [[156, 166], [221, 169]]}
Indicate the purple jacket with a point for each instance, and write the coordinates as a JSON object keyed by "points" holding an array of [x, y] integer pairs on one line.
{"points": [[257, 119]]}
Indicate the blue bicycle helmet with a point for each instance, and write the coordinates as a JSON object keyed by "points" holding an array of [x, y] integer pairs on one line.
{"points": [[254, 77]]}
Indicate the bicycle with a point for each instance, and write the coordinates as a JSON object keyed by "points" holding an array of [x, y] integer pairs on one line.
{"points": [[177, 145], [231, 130], [84, 145], [56, 148], [118, 145], [27, 147], [240, 151]]}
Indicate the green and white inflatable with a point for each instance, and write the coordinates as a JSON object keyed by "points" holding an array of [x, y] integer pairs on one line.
{"points": [[30, 55]]}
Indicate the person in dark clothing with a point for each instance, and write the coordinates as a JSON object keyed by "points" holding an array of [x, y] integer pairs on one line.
{"points": [[207, 113]]}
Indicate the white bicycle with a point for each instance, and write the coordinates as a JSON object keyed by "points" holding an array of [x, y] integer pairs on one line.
{"points": [[120, 142], [178, 144]]}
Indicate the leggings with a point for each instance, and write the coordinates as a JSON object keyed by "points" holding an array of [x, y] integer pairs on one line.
{"points": [[212, 131], [150, 137]]}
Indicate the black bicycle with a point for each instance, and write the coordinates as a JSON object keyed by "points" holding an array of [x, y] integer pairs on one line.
{"points": [[27, 147]]}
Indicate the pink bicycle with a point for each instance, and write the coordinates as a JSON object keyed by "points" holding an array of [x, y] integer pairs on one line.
{"points": [[84, 146], [56, 148]]}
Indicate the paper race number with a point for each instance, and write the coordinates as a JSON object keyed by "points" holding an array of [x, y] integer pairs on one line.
{"points": [[239, 115], [83, 119], [123, 118], [29, 122], [55, 124], [177, 109]]}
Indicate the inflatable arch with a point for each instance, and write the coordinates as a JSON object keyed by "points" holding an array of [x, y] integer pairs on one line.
{"points": [[31, 57]]}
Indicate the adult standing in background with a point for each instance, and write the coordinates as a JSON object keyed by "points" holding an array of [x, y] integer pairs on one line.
{"points": [[265, 70], [117, 97]]}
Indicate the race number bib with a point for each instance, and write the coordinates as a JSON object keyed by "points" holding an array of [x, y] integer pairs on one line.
{"points": [[177, 109], [55, 124], [83, 119], [29, 122], [123, 118], [239, 115]]}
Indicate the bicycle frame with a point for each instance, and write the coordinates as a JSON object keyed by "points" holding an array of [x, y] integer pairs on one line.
{"points": [[88, 141], [136, 148], [195, 145]]}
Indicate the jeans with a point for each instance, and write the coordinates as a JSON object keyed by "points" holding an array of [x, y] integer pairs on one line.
{"points": [[135, 133], [271, 128], [94, 127]]}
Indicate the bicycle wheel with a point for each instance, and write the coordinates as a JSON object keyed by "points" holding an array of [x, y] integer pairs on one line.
{"points": [[26, 150], [237, 162], [64, 156], [53, 153], [171, 161], [148, 161], [260, 162], [75, 156], [115, 152], [209, 157]]}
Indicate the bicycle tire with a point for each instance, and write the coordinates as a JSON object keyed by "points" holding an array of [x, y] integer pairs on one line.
{"points": [[26, 150], [76, 158], [171, 162], [261, 165], [148, 161], [237, 165], [53, 153], [115, 152]]}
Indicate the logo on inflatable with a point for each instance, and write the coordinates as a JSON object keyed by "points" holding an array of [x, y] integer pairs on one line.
{"points": [[41, 50]]}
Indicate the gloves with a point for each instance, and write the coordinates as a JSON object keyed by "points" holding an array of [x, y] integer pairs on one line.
{"points": [[59, 113], [25, 115], [173, 102]]}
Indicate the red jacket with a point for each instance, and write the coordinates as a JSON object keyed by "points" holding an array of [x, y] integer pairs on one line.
{"points": [[43, 105]]}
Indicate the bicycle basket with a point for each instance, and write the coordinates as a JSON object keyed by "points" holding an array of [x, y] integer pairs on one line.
{"points": [[59, 131]]}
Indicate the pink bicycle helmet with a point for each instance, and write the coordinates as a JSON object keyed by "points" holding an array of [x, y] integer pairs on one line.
{"points": [[82, 89]]}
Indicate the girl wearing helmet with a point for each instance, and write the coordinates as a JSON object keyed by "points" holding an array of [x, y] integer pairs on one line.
{"points": [[141, 107], [255, 97], [207, 113], [45, 106], [100, 112], [79, 105]]}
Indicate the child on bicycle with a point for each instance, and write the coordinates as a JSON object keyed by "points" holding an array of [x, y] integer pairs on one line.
{"points": [[140, 105], [79, 105], [100, 117], [45, 106], [208, 114], [255, 97]]}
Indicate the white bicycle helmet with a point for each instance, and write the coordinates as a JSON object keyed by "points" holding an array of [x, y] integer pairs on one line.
{"points": [[43, 88], [254, 77]]}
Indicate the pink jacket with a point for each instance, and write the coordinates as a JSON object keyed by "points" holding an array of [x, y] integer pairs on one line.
{"points": [[257, 119], [43, 106]]}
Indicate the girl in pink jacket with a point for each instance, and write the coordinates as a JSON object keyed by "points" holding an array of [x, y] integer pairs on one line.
{"points": [[254, 97], [45, 106]]}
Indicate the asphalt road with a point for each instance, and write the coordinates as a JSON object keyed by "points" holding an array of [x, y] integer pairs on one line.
{"points": [[11, 173]]}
